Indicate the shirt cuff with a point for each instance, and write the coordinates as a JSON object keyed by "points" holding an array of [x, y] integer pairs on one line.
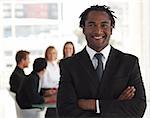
{"points": [[97, 106]]}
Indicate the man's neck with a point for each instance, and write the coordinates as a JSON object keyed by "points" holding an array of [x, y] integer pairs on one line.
{"points": [[20, 66], [40, 74]]}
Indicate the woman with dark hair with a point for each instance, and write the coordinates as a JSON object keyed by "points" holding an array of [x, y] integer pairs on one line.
{"points": [[68, 49]]}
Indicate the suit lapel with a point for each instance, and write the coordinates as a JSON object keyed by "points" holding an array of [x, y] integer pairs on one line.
{"points": [[92, 79], [110, 68], [87, 65]]}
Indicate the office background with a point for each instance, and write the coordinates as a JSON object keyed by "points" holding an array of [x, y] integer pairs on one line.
{"points": [[35, 24]]}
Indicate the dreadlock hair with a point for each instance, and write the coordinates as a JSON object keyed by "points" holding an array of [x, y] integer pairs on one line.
{"points": [[104, 8]]}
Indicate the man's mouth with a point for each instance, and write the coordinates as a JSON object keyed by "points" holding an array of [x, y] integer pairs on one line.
{"points": [[99, 37]]}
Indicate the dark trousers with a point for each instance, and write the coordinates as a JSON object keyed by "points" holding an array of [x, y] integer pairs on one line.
{"points": [[51, 113]]}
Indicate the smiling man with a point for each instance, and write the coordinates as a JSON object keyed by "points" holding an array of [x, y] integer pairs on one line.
{"points": [[100, 81]]}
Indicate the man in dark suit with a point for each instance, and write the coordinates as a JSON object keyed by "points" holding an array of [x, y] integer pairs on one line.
{"points": [[29, 92], [18, 75], [117, 92]]}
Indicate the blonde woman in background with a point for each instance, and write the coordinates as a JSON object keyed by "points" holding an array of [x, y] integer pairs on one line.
{"points": [[52, 75], [51, 78]]}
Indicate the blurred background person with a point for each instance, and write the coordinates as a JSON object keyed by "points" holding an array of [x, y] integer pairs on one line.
{"points": [[51, 78], [17, 76], [68, 49], [29, 93], [52, 74]]}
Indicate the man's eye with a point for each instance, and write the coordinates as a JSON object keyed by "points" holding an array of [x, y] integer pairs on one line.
{"points": [[90, 25], [104, 25]]}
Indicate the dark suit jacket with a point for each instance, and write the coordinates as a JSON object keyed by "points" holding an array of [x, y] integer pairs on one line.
{"points": [[16, 79], [79, 81], [28, 93]]}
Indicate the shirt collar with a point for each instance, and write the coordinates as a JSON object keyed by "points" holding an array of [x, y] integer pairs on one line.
{"points": [[92, 52]]}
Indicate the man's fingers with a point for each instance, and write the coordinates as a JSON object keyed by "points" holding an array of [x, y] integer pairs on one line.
{"points": [[82, 103], [87, 104], [128, 93], [129, 90], [131, 96]]}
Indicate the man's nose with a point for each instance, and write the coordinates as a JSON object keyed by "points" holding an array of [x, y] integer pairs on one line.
{"points": [[98, 29]]}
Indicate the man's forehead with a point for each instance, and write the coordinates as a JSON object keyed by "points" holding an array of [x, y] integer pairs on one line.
{"points": [[108, 21], [98, 15]]}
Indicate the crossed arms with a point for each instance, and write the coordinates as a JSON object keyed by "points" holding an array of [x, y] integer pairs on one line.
{"points": [[90, 104], [130, 103]]}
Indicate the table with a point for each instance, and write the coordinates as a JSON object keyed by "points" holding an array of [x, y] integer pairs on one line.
{"points": [[49, 109], [42, 106]]}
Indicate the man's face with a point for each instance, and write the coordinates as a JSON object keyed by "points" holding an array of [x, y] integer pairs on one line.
{"points": [[26, 61], [97, 30]]}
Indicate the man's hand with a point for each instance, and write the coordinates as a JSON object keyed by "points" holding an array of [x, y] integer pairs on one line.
{"points": [[87, 104], [50, 92], [128, 93], [50, 95], [90, 104], [50, 99]]}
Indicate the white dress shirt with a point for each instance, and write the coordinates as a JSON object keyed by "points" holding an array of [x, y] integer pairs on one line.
{"points": [[51, 76], [92, 52], [105, 52]]}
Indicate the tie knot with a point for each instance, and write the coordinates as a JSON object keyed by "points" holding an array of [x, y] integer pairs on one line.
{"points": [[99, 56]]}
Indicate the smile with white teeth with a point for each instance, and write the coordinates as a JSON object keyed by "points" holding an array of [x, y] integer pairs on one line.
{"points": [[98, 37]]}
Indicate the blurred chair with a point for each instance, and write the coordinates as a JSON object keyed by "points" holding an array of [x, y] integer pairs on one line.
{"points": [[27, 113], [18, 110], [34, 113], [7, 105]]}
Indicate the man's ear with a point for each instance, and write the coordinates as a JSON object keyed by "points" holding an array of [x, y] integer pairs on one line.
{"points": [[22, 60]]}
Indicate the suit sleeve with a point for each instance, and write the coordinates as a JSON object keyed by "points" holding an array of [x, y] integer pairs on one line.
{"points": [[133, 108], [67, 98]]}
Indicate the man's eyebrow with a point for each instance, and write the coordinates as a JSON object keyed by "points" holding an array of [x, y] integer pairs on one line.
{"points": [[105, 22], [90, 22]]}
